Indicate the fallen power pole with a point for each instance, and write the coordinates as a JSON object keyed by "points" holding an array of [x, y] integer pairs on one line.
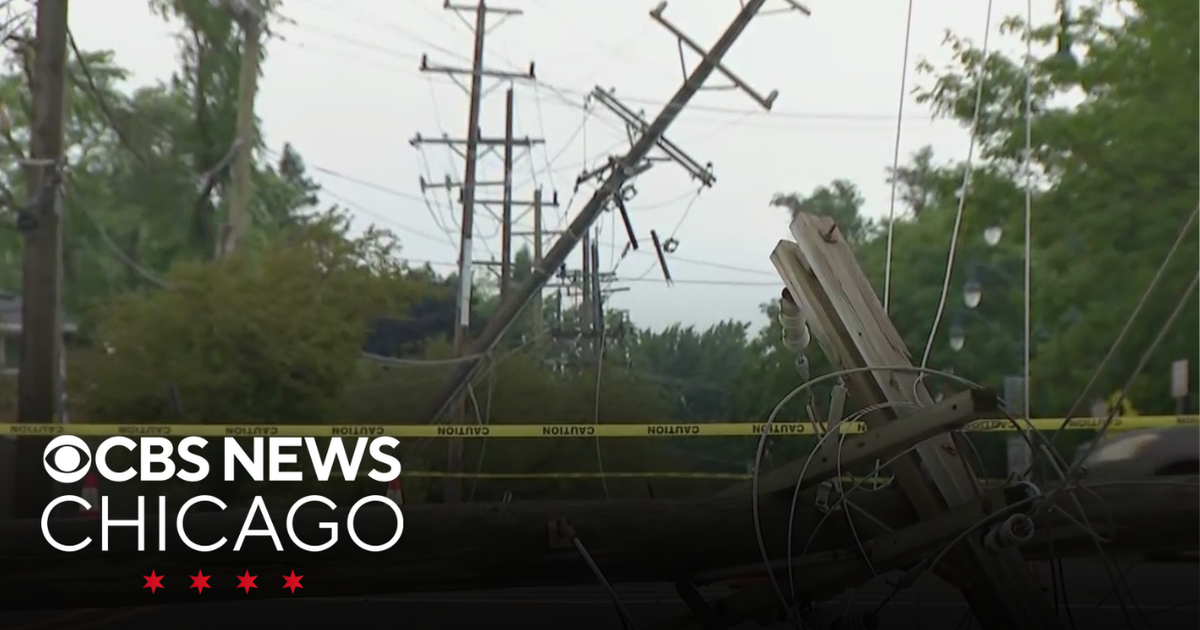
{"points": [[1128, 521], [620, 172], [480, 546], [846, 318], [41, 220]]}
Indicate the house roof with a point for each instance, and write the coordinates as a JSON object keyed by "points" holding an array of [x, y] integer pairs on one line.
{"points": [[10, 312], [10, 309]]}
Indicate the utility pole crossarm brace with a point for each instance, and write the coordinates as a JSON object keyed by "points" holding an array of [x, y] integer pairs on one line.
{"points": [[514, 202], [702, 172], [449, 184], [510, 308], [471, 8], [525, 142], [496, 74], [765, 101]]}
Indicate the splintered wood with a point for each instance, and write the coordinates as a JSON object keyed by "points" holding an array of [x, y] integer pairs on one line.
{"points": [[848, 321]]}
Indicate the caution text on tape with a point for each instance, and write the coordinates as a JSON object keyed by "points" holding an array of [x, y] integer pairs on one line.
{"points": [[543, 431]]}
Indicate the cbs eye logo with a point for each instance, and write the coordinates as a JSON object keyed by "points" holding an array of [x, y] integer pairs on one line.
{"points": [[67, 459]]}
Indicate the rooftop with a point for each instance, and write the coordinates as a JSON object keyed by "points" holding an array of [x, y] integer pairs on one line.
{"points": [[10, 309], [10, 312]]}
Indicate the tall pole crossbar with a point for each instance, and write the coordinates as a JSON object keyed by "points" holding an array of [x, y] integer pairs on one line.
{"points": [[473, 148], [618, 175], [452, 490]]}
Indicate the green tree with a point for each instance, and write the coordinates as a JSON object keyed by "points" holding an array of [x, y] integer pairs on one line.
{"points": [[272, 337], [840, 200], [1116, 179], [137, 162], [698, 367]]}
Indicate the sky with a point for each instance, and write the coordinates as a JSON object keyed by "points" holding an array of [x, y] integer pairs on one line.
{"points": [[342, 83]]}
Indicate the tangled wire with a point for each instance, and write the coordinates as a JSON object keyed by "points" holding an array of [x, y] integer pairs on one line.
{"points": [[1011, 526]]}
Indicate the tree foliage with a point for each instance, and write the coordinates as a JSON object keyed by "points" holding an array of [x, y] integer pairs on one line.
{"points": [[276, 332]]}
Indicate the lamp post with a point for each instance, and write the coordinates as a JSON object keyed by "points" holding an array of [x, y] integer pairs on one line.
{"points": [[958, 334], [958, 329], [973, 287], [972, 292], [992, 235], [958, 341]]}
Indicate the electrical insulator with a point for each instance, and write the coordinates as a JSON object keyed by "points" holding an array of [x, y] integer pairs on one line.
{"points": [[795, 330], [1016, 530]]}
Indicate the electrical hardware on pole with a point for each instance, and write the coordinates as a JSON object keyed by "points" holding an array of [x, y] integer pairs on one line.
{"points": [[618, 175]]}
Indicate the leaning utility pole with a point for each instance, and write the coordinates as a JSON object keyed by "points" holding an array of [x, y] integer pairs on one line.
{"points": [[39, 381], [249, 15], [619, 172], [454, 452]]}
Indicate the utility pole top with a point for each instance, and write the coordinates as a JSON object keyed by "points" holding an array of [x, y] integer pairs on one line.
{"points": [[472, 8], [472, 148], [617, 176], [496, 74]]}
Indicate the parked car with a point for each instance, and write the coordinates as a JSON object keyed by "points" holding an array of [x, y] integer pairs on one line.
{"points": [[1145, 453]]}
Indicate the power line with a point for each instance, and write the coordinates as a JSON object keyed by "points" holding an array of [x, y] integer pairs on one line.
{"points": [[470, 154], [964, 189], [391, 221], [715, 283], [564, 93], [649, 135]]}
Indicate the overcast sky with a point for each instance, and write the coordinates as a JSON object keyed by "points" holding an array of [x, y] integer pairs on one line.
{"points": [[342, 83]]}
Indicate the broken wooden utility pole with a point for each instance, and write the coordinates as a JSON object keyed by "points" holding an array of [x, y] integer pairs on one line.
{"points": [[40, 220], [618, 173], [847, 320], [452, 489], [250, 15]]}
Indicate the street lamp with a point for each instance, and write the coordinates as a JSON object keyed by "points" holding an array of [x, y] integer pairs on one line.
{"points": [[972, 293], [992, 235], [958, 334]]}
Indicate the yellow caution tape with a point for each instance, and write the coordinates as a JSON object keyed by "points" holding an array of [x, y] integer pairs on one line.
{"points": [[551, 431]]}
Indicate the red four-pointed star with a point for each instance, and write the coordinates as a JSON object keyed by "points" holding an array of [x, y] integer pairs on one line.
{"points": [[153, 581], [292, 581], [246, 581], [200, 581]]}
